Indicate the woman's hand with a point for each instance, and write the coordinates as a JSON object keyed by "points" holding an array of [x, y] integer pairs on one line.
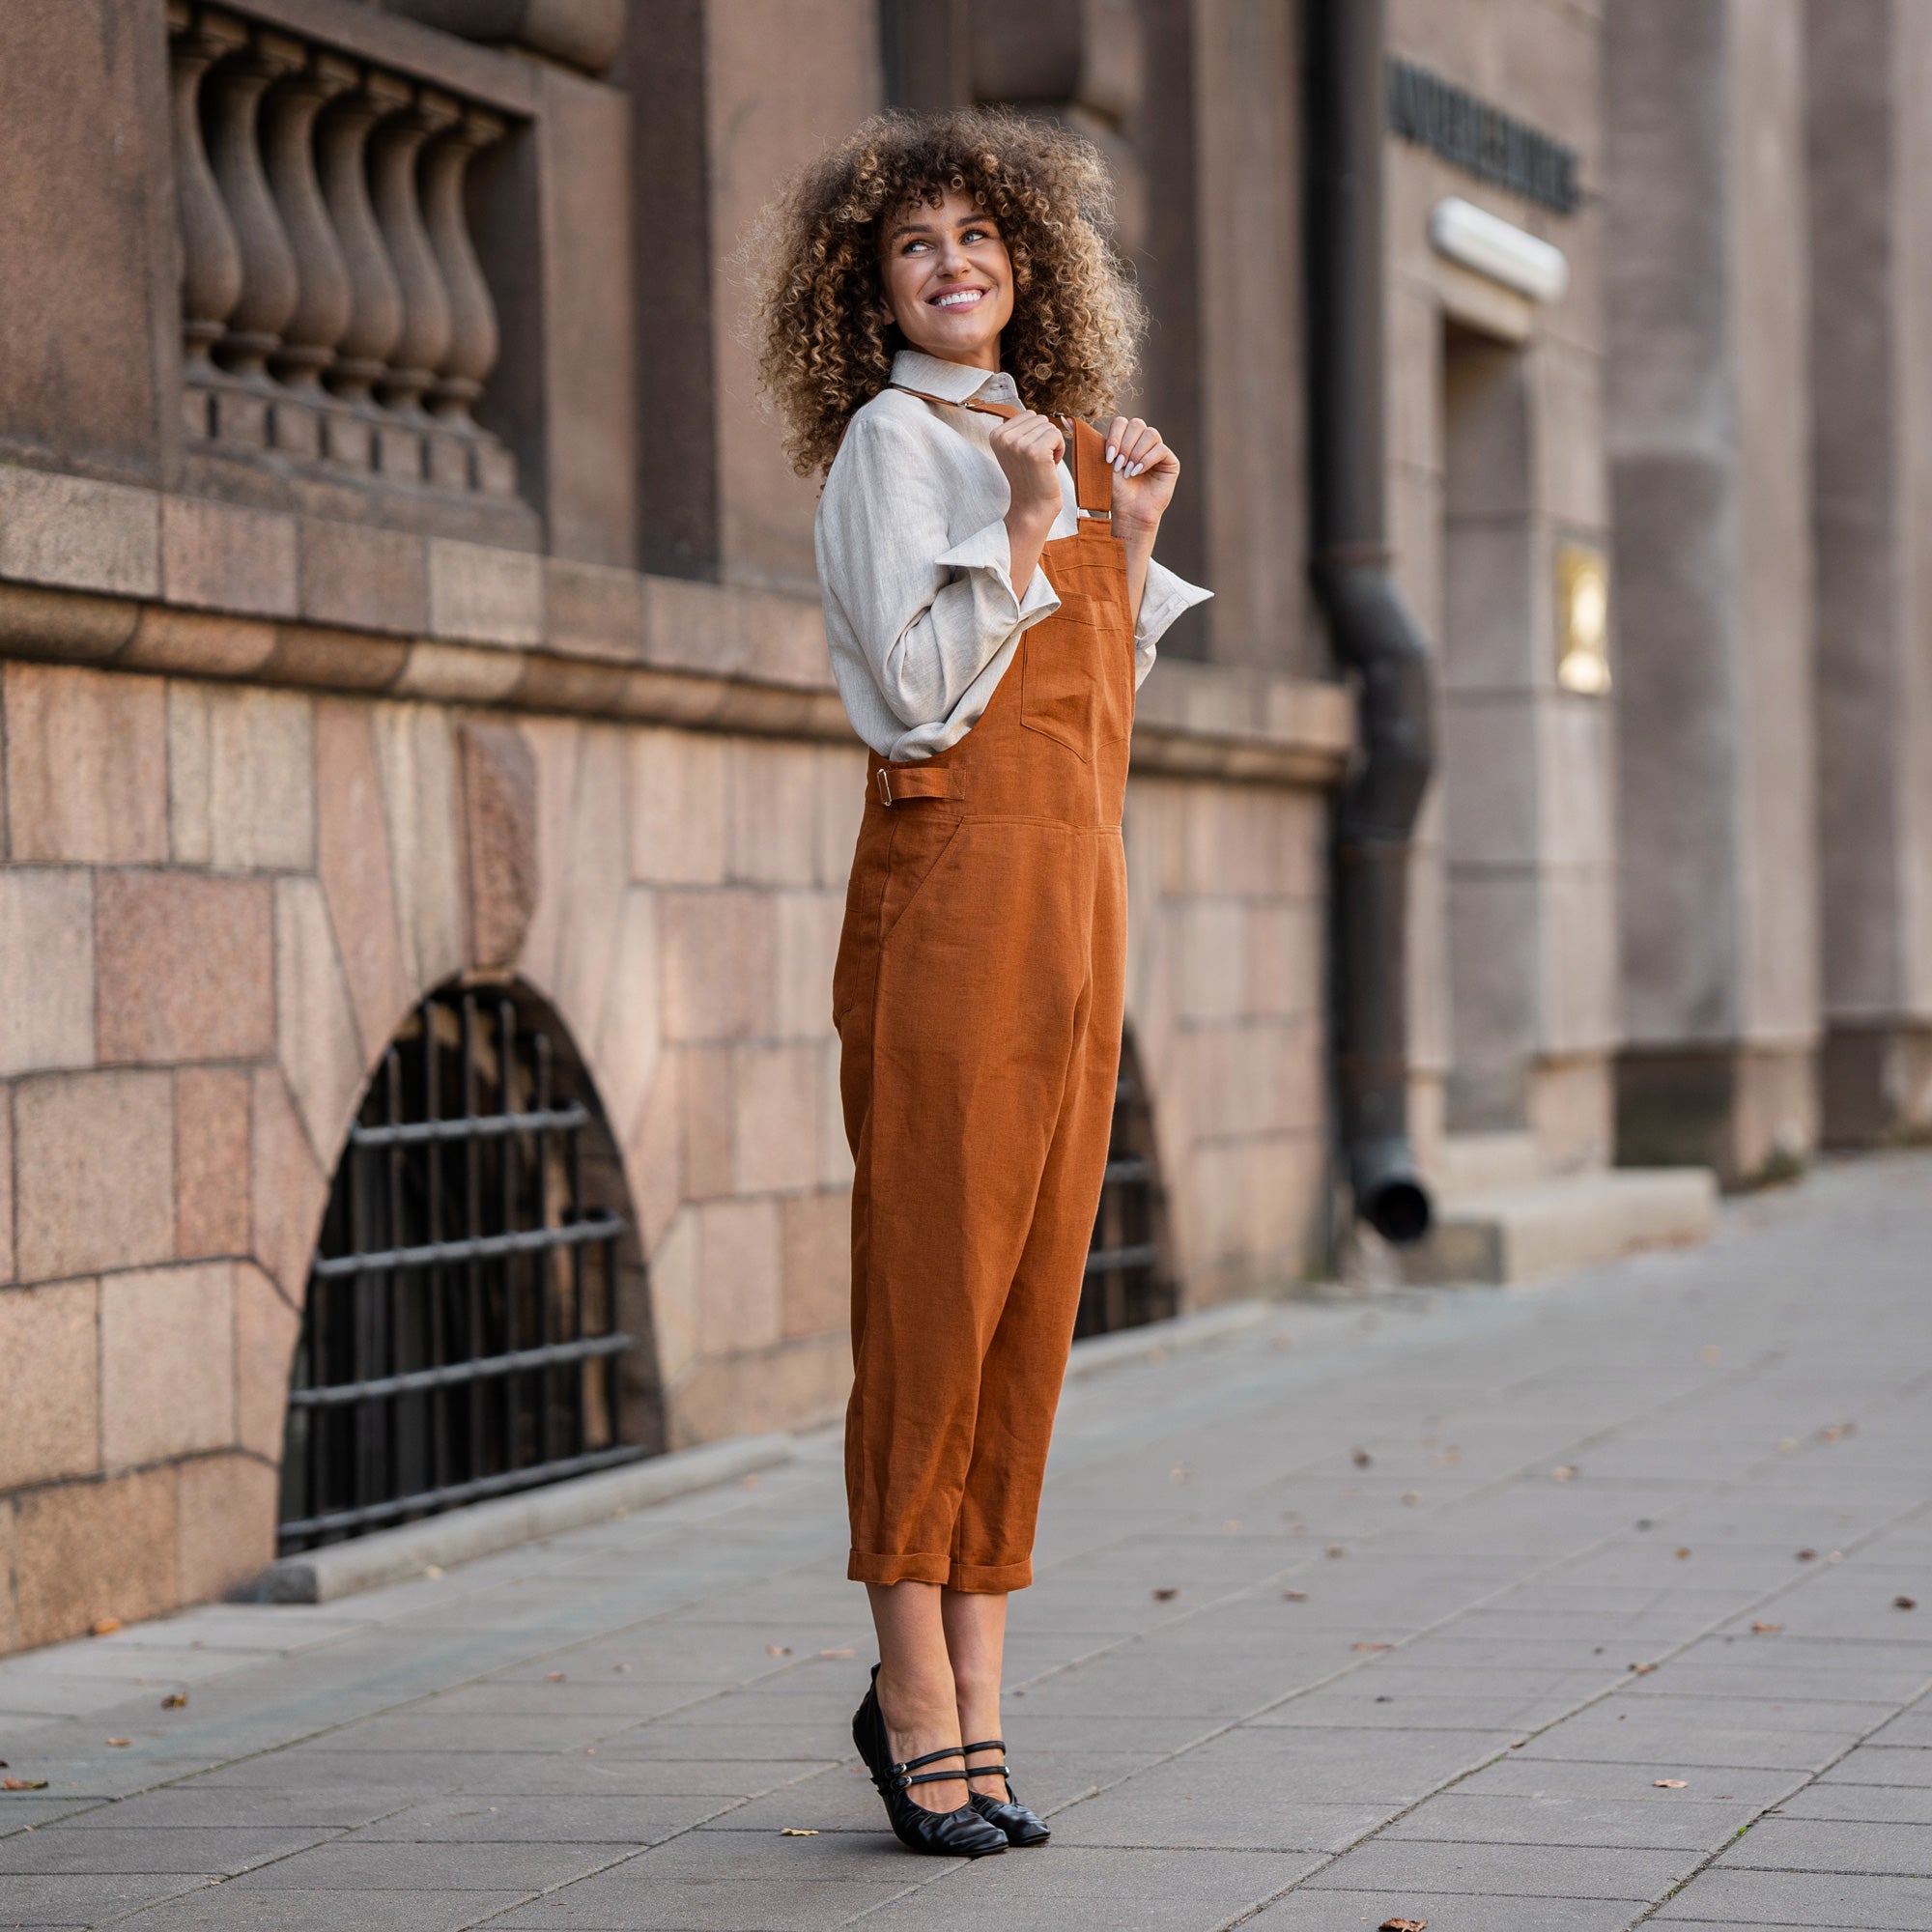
{"points": [[1028, 449], [1144, 474]]}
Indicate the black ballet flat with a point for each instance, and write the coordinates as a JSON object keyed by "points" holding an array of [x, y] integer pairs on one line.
{"points": [[963, 1833], [1021, 1827]]}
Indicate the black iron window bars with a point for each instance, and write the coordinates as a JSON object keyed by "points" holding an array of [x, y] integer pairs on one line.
{"points": [[1127, 1285], [460, 1337]]}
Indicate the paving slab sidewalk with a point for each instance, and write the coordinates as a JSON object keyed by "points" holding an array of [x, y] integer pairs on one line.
{"points": [[1562, 1610]]}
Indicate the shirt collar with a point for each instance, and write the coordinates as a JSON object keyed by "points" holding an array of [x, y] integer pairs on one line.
{"points": [[951, 381]]}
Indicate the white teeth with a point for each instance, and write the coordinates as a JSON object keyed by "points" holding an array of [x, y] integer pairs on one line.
{"points": [[964, 299]]}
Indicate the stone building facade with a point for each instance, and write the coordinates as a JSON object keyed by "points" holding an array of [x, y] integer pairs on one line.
{"points": [[494, 662], [406, 615]]}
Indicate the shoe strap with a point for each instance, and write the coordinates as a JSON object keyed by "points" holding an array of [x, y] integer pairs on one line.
{"points": [[933, 1757], [929, 1777], [1002, 1770]]}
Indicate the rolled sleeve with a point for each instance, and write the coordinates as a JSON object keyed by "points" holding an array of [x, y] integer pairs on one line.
{"points": [[990, 552], [927, 615], [1163, 599]]}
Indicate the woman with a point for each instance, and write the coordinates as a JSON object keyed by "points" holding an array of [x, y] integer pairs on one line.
{"points": [[943, 307]]}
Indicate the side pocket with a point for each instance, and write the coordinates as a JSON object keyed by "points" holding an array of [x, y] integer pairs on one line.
{"points": [[920, 841]]}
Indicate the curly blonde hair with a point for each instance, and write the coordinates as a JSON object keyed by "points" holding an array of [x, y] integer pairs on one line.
{"points": [[828, 344]]}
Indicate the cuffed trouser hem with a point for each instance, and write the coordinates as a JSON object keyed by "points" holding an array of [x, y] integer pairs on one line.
{"points": [[865, 1566], [992, 1578]]}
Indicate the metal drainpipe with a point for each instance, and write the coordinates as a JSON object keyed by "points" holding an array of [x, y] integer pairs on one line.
{"points": [[1373, 628]]}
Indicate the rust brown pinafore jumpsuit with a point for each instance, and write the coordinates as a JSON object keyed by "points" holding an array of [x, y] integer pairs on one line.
{"points": [[977, 997]]}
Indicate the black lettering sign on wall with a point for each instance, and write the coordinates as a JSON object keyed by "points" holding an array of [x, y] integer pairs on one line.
{"points": [[1451, 122]]}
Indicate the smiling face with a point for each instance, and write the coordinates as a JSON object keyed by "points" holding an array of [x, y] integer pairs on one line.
{"points": [[948, 280]]}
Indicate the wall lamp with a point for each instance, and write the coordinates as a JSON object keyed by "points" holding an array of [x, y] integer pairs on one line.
{"points": [[1497, 248]]}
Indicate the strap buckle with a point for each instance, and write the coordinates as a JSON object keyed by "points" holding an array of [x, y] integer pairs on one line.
{"points": [[896, 783]]}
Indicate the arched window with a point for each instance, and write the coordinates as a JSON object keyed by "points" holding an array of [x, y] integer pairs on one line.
{"points": [[474, 1291], [1128, 1282]]}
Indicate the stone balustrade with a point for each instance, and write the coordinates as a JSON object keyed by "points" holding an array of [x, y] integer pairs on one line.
{"points": [[334, 313]]}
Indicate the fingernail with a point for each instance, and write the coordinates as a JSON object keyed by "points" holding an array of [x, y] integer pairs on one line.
{"points": [[1136, 468], [1110, 452]]}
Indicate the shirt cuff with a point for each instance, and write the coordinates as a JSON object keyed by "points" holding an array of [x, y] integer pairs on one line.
{"points": [[1163, 599], [990, 550]]}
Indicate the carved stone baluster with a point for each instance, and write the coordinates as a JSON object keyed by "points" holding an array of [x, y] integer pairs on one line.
{"points": [[269, 288], [211, 256], [424, 341], [472, 313], [376, 301], [459, 452], [324, 297]]}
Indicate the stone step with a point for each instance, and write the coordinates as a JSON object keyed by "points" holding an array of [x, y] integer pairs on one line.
{"points": [[1481, 1163], [1534, 1229]]}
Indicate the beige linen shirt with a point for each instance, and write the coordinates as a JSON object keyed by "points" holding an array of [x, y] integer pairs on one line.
{"points": [[913, 558]]}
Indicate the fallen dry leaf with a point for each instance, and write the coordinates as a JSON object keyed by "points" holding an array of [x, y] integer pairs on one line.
{"points": [[119, 1744], [832, 1656], [1642, 1670], [1411, 1497], [1564, 1472], [1518, 1744], [1905, 1603], [1807, 1556], [1166, 1594], [1766, 1630], [103, 1626], [1402, 1925], [1295, 1596], [1671, 1783], [1450, 1457], [175, 1700], [1374, 1646], [1360, 1457], [552, 1677], [798, 1832], [23, 1784], [1336, 1549], [1682, 1554], [777, 1650]]}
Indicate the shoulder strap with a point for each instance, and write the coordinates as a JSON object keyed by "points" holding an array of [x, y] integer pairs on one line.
{"points": [[1092, 479]]}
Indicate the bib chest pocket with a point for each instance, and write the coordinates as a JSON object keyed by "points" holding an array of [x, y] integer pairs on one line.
{"points": [[1077, 666]]}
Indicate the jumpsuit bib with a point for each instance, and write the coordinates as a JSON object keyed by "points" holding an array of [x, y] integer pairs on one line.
{"points": [[977, 997]]}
